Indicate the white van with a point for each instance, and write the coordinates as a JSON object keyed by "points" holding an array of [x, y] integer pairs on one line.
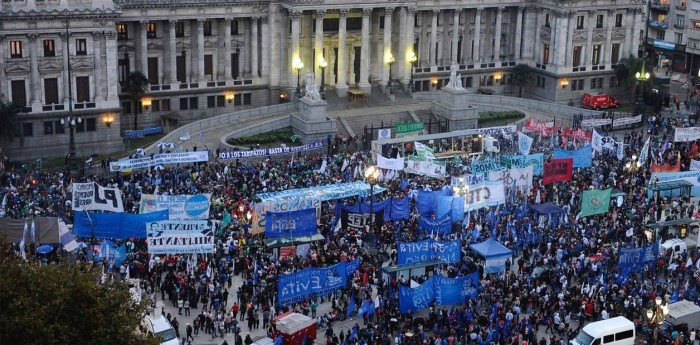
{"points": [[614, 331], [677, 245], [159, 327]]}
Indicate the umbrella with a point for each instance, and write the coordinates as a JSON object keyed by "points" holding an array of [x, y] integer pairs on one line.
{"points": [[140, 152], [159, 167], [162, 145], [82, 245], [45, 249]]}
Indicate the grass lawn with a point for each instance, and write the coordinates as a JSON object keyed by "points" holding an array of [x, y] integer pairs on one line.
{"points": [[499, 118], [267, 139]]}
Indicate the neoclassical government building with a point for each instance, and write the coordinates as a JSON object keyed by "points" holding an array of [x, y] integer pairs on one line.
{"points": [[205, 57]]}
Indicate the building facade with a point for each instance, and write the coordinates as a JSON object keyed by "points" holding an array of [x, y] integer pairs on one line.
{"points": [[206, 57]]}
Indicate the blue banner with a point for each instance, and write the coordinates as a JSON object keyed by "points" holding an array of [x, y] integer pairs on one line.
{"points": [[447, 252], [115, 225], [352, 266], [292, 223], [295, 287], [450, 291], [409, 253], [523, 161], [482, 167], [634, 260], [413, 300], [441, 226], [444, 206], [583, 157], [426, 202], [400, 209], [457, 209]]}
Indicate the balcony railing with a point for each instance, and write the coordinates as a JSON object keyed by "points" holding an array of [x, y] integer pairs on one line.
{"points": [[657, 24], [659, 6]]}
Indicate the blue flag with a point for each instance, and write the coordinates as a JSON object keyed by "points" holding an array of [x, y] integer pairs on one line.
{"points": [[351, 307]]}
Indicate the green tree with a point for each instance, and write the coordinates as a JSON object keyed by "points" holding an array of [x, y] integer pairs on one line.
{"points": [[136, 85], [63, 304], [10, 124], [521, 76], [627, 69]]}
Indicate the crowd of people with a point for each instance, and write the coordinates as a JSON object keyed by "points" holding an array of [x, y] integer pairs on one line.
{"points": [[582, 282]]}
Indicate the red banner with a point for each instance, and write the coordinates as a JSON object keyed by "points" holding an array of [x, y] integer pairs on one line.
{"points": [[579, 134], [546, 129], [666, 167], [558, 170]]}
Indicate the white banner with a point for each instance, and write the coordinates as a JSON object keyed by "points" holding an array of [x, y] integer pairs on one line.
{"points": [[524, 143], [180, 237], [522, 176], [389, 163], [178, 206], [595, 122], [626, 121], [93, 197], [686, 134], [510, 129], [620, 149], [423, 151], [384, 133], [596, 141], [645, 152], [486, 194], [429, 168], [694, 165], [160, 159]]}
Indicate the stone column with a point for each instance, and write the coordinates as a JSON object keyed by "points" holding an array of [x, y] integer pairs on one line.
{"points": [[265, 45], [111, 63], [568, 57], [497, 38], [3, 77], [254, 69], [172, 53], [558, 39], [518, 32], [341, 87], [143, 47], [607, 47], [200, 52], [476, 54], [588, 53], [318, 45], [295, 54], [433, 39], [227, 49], [635, 32], [98, 80], [364, 51], [388, 13], [401, 61], [64, 74], [627, 24], [36, 98], [408, 38], [455, 35], [537, 40]]}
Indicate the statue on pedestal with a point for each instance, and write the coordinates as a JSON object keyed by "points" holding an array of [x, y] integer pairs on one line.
{"points": [[312, 88], [455, 79]]}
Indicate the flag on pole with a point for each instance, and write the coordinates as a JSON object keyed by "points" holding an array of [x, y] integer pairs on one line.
{"points": [[524, 143], [65, 237], [595, 201], [351, 306], [22, 244], [33, 231], [644, 154]]}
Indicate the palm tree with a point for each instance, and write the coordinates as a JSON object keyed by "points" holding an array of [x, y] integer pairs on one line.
{"points": [[521, 76], [10, 124], [628, 67], [136, 85]]}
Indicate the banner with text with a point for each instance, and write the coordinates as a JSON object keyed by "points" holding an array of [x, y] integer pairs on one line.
{"points": [[178, 206], [291, 223], [578, 134], [270, 151], [492, 131], [159, 159], [484, 166], [93, 197], [627, 120], [545, 129], [595, 122], [487, 194], [415, 299], [686, 134], [390, 163], [451, 291], [180, 237], [522, 161], [633, 260], [360, 221], [558, 170], [295, 287]]}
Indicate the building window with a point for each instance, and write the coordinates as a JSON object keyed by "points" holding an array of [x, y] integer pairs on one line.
{"points": [[80, 126], [153, 71], [599, 21], [151, 30], [207, 28], [49, 48], [180, 29], [679, 38], [81, 46], [126, 108], [615, 53], [576, 58], [211, 101], [82, 89], [155, 106], [579, 22], [594, 83], [577, 85], [91, 125], [247, 98], [123, 68], [545, 53], [28, 129], [547, 20], [661, 34], [209, 66], [184, 102], [50, 91], [614, 82], [15, 49], [595, 57], [540, 82], [165, 105], [234, 27], [181, 65], [19, 93], [194, 103], [122, 32], [220, 101], [618, 20], [680, 22], [48, 127], [58, 127]]}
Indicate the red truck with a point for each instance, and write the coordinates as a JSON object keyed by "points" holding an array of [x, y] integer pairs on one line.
{"points": [[599, 101]]}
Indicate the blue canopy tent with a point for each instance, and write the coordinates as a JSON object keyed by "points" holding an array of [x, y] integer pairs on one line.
{"points": [[546, 209], [495, 254]]}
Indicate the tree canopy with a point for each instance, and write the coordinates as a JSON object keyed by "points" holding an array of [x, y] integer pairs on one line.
{"points": [[136, 85], [10, 125], [63, 304], [521, 76], [626, 69]]}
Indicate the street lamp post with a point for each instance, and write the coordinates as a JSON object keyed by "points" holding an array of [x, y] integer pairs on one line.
{"points": [[372, 177], [322, 64], [298, 65], [390, 61], [412, 58], [656, 314], [642, 77]]}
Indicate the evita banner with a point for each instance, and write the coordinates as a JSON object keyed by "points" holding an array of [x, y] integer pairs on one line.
{"points": [[295, 287]]}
